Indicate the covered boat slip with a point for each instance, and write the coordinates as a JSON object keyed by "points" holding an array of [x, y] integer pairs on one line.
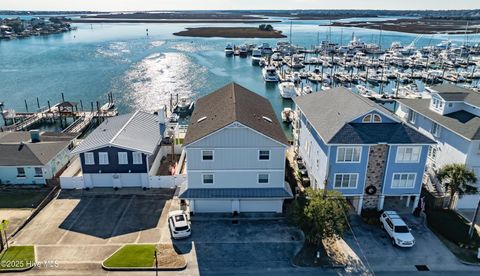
{"points": [[230, 200]]}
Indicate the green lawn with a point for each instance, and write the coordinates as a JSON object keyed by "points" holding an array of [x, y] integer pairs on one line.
{"points": [[17, 257], [132, 255], [19, 198]]}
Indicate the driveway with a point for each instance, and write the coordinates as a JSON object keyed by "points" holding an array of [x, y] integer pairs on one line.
{"points": [[373, 246], [86, 227]]}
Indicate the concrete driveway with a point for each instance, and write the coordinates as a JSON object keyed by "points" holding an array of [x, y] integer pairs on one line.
{"points": [[86, 227], [373, 246]]}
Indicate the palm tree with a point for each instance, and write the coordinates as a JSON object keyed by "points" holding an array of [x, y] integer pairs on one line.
{"points": [[456, 178]]}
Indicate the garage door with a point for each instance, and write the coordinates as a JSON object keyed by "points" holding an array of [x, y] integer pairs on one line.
{"points": [[131, 180], [102, 180], [261, 206], [213, 206]]}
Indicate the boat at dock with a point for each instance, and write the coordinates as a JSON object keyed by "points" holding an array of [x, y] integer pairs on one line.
{"points": [[288, 115], [270, 74], [287, 90], [256, 56], [229, 49]]}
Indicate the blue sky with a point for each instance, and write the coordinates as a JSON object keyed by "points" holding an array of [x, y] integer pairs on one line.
{"points": [[130, 5]]}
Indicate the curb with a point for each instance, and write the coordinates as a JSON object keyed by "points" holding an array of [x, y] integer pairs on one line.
{"points": [[15, 270], [144, 268]]}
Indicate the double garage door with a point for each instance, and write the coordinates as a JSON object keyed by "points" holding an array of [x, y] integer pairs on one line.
{"points": [[240, 205], [116, 180]]}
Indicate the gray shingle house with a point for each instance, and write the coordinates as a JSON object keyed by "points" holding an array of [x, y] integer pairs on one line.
{"points": [[235, 152]]}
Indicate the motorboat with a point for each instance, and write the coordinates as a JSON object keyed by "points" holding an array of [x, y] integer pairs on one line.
{"points": [[243, 51], [287, 90], [256, 56], [229, 49], [270, 74], [288, 115]]}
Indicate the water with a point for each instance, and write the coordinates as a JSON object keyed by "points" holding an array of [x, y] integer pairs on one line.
{"points": [[142, 71]]}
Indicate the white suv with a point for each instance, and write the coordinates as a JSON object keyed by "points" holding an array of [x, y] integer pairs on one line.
{"points": [[179, 224], [396, 228]]}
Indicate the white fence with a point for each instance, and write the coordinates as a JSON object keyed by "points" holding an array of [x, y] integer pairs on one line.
{"points": [[72, 177], [167, 181]]}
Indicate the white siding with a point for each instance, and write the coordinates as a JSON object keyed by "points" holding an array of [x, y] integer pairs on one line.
{"points": [[236, 179], [261, 206], [314, 157]]}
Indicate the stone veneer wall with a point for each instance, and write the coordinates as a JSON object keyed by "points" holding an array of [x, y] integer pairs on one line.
{"points": [[377, 160]]}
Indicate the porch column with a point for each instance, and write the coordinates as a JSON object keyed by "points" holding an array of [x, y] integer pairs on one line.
{"points": [[381, 200], [408, 201], [415, 202], [360, 205]]}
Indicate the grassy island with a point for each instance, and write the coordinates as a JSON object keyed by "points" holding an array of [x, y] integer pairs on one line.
{"points": [[231, 32]]}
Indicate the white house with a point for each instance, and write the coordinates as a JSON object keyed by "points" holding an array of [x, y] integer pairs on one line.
{"points": [[452, 119], [235, 152], [33, 157]]}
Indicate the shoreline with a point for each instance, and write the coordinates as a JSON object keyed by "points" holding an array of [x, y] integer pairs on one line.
{"points": [[414, 26], [125, 20], [229, 32]]}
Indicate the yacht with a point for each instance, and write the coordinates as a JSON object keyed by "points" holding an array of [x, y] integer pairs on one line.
{"points": [[229, 49], [288, 115], [287, 90], [243, 50], [256, 56], [304, 90], [270, 74], [266, 49]]}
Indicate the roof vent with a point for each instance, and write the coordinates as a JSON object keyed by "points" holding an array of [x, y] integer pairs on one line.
{"points": [[202, 119], [267, 119]]}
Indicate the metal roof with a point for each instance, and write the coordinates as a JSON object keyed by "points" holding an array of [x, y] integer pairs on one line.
{"points": [[205, 193], [461, 122], [330, 110], [233, 103], [138, 131]]}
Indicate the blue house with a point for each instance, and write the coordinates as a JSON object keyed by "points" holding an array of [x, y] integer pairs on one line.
{"points": [[355, 146], [121, 152], [452, 119]]}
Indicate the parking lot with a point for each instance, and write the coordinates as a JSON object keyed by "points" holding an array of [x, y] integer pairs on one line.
{"points": [[89, 226], [373, 246]]}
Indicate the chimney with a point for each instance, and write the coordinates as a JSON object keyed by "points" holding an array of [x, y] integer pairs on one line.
{"points": [[35, 135]]}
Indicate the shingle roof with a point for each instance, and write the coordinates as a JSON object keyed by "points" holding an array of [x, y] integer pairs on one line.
{"points": [[229, 104], [203, 193], [461, 122], [391, 133], [17, 150], [330, 110], [454, 93], [139, 131]]}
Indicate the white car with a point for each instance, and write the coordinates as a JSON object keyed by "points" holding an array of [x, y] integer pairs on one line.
{"points": [[397, 229], [179, 224]]}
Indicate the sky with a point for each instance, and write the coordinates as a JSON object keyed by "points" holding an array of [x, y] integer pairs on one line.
{"points": [[143, 5]]}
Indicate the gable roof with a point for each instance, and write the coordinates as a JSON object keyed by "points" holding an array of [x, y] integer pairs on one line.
{"points": [[17, 150], [233, 103], [374, 133], [453, 93], [330, 110], [461, 122], [138, 131]]}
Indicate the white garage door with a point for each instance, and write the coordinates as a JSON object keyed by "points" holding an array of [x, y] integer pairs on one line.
{"points": [[131, 180], [102, 180], [261, 206], [213, 206]]}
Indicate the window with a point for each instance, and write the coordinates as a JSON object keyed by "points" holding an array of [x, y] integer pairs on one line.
{"points": [[432, 152], [403, 180], [137, 158], [450, 104], [367, 119], [412, 116], [347, 180], [264, 155], [207, 155], [408, 154], [20, 172], [122, 158], [89, 160], [38, 172], [207, 179], [103, 158], [348, 154], [372, 118], [263, 178], [435, 129]]}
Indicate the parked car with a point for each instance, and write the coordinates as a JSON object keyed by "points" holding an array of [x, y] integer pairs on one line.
{"points": [[179, 224], [397, 229]]}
